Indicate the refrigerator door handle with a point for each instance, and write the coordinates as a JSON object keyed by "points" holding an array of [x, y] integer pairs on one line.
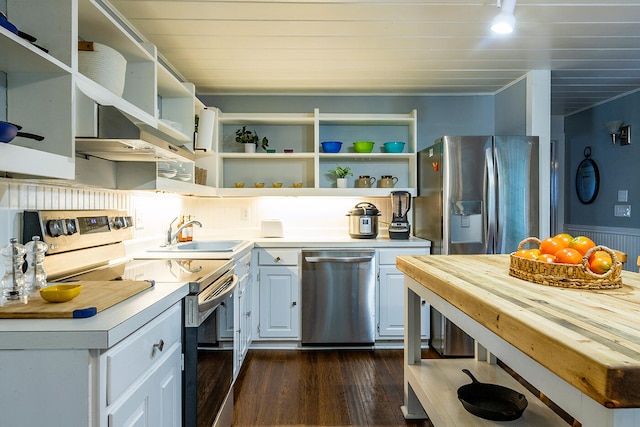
{"points": [[489, 201]]}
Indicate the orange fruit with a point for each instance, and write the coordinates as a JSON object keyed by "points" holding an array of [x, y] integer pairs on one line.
{"points": [[568, 256], [582, 244], [550, 245], [600, 262], [526, 253], [564, 239], [548, 258]]}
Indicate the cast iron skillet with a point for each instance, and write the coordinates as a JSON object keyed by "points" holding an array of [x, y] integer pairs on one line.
{"points": [[8, 131], [491, 401]]}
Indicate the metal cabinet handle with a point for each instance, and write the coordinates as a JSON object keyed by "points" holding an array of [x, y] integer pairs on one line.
{"points": [[353, 259], [277, 259], [158, 346], [293, 304]]}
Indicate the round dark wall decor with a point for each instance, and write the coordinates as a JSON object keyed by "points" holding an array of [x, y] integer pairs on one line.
{"points": [[587, 179]]}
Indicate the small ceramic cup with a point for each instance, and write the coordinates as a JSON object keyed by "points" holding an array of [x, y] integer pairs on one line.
{"points": [[276, 184], [387, 181], [238, 184], [259, 184], [365, 181]]}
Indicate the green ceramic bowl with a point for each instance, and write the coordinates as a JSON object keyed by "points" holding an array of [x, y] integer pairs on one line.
{"points": [[363, 146]]}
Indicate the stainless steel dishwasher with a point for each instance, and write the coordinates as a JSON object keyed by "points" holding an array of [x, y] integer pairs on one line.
{"points": [[338, 297]]}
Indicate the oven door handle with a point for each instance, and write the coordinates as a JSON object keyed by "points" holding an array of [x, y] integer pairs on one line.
{"points": [[210, 301]]}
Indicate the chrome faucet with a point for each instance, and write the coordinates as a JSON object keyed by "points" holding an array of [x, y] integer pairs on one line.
{"points": [[171, 236]]}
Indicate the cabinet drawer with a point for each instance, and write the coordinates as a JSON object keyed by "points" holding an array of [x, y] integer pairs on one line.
{"points": [[388, 256], [278, 257], [129, 359], [243, 265]]}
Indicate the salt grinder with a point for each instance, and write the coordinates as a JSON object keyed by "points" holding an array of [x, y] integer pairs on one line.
{"points": [[13, 279], [35, 277]]}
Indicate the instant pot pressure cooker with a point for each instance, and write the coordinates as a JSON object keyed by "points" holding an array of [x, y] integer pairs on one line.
{"points": [[363, 221]]}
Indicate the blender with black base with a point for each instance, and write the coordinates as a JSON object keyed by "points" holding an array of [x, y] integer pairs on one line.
{"points": [[400, 205]]}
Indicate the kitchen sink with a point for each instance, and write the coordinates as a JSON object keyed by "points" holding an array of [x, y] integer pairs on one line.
{"points": [[201, 246]]}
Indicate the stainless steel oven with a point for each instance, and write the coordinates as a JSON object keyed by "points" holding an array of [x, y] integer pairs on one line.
{"points": [[87, 245], [208, 362]]}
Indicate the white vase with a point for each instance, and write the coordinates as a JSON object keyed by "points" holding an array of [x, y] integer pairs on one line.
{"points": [[341, 182], [249, 148]]}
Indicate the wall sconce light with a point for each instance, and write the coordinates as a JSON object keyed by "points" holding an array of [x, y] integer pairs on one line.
{"points": [[504, 22], [616, 129]]}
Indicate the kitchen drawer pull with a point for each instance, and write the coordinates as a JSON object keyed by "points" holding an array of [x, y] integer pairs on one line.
{"points": [[277, 259], [158, 346], [293, 304]]}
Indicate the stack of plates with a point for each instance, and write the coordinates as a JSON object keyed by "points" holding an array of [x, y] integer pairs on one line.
{"points": [[166, 171], [183, 176]]}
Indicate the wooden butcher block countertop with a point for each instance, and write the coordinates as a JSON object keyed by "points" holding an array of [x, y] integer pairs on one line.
{"points": [[589, 338], [94, 297]]}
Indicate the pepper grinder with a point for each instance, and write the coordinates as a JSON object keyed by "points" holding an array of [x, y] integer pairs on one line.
{"points": [[35, 277], [13, 280]]}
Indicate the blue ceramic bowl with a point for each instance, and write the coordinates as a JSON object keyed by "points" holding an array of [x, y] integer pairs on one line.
{"points": [[393, 147], [331, 146]]}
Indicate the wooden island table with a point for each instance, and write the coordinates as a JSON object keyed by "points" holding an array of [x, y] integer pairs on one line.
{"points": [[580, 348]]}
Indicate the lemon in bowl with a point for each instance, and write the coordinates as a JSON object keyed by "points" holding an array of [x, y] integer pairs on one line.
{"points": [[60, 293]]}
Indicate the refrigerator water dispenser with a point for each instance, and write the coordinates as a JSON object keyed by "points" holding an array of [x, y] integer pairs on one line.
{"points": [[466, 221]]}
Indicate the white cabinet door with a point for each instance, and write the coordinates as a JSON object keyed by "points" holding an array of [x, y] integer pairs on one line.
{"points": [[156, 398], [279, 309], [244, 320], [225, 317], [391, 305]]}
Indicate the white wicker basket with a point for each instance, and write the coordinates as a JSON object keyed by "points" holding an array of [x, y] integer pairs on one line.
{"points": [[105, 66]]}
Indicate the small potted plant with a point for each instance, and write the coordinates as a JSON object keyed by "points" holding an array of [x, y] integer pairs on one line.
{"points": [[251, 140], [341, 175]]}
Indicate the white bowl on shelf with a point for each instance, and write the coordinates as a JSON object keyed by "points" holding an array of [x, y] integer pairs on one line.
{"points": [[167, 173], [183, 176]]}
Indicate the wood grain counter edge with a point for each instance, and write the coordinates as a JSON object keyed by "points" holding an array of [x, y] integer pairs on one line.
{"points": [[585, 365]]}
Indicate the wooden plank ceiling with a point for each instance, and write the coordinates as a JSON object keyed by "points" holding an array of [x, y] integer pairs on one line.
{"points": [[592, 47]]}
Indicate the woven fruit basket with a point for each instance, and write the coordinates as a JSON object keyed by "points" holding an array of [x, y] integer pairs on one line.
{"points": [[574, 276]]}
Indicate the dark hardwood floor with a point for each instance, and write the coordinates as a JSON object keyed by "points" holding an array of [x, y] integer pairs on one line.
{"points": [[321, 388]]}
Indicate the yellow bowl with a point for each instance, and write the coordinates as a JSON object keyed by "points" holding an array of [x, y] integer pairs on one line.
{"points": [[297, 185], [259, 184], [60, 293], [276, 184], [239, 184]]}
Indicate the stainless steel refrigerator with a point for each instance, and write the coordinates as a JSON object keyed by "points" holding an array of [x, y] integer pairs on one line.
{"points": [[476, 195]]}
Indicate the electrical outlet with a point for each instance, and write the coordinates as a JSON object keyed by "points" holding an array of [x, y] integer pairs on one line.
{"points": [[244, 214], [138, 221], [622, 195], [622, 210]]}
